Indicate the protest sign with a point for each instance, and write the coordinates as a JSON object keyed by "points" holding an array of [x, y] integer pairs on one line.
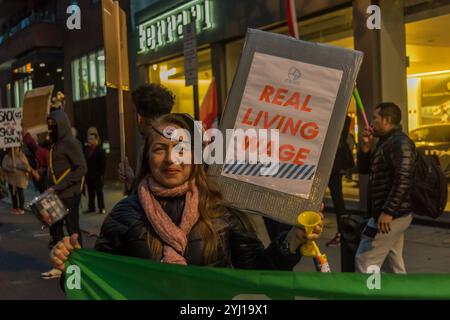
{"points": [[303, 90], [36, 106], [283, 94], [10, 127]]}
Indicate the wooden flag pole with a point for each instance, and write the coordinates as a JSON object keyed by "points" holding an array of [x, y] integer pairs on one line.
{"points": [[116, 14]]}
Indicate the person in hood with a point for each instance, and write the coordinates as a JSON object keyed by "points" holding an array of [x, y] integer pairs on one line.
{"points": [[67, 168]]}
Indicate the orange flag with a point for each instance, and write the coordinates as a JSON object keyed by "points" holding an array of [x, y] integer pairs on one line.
{"points": [[208, 108]]}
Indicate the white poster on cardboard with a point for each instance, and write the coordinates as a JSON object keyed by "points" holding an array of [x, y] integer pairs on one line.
{"points": [[296, 98]]}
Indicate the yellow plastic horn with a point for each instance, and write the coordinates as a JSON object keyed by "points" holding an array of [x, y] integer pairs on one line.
{"points": [[309, 219]]}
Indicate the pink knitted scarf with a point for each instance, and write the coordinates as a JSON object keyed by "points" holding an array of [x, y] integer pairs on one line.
{"points": [[174, 237]]}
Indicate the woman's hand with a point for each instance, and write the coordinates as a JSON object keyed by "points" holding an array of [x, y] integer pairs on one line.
{"points": [[35, 174], [367, 140], [297, 236], [62, 250]]}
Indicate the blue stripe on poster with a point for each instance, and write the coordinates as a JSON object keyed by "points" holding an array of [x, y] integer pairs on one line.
{"points": [[307, 172], [300, 172]]}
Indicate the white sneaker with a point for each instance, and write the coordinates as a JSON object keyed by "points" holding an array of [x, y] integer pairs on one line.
{"points": [[52, 274]]}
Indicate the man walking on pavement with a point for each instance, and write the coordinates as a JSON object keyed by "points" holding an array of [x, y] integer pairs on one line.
{"points": [[390, 164], [151, 101], [67, 167]]}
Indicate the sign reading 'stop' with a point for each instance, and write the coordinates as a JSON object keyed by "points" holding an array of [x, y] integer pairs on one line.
{"points": [[167, 28]]}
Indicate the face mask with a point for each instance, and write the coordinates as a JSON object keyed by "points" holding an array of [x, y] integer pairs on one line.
{"points": [[53, 132]]}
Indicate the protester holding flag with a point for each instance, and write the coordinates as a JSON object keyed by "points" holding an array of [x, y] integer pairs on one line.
{"points": [[176, 216]]}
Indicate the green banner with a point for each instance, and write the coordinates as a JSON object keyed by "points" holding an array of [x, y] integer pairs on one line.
{"points": [[94, 275]]}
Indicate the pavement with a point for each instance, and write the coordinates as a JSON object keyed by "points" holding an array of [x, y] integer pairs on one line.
{"points": [[24, 253]]}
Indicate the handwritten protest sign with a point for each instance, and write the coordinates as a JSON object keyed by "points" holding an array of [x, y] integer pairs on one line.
{"points": [[10, 127], [284, 94]]}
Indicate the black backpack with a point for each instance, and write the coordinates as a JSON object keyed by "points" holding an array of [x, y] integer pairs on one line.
{"points": [[429, 191]]}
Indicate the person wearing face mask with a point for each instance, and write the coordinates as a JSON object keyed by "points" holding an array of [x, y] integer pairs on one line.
{"points": [[67, 168], [176, 216]]}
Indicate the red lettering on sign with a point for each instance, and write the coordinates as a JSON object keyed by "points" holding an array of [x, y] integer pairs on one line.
{"points": [[265, 95], [302, 154], [247, 115], [293, 101], [282, 97], [305, 104], [279, 96], [309, 130]]}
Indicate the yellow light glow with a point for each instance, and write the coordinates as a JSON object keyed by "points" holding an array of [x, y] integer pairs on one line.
{"points": [[425, 74], [165, 74]]}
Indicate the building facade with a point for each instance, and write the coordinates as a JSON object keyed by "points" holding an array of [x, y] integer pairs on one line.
{"points": [[38, 49]]}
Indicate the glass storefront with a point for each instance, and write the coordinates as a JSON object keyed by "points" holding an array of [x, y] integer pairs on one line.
{"points": [[20, 88], [170, 73], [428, 83], [88, 76]]}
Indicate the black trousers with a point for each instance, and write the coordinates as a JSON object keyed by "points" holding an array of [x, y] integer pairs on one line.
{"points": [[17, 197], [95, 188], [71, 220], [335, 185]]}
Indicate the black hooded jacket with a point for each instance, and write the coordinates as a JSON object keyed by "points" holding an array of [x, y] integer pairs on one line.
{"points": [[126, 230], [66, 153], [391, 174]]}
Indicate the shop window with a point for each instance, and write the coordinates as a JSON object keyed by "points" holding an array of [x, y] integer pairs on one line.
{"points": [[93, 88], [20, 88], [428, 49], [76, 80], [101, 72], [428, 83], [88, 76], [84, 78], [170, 74]]}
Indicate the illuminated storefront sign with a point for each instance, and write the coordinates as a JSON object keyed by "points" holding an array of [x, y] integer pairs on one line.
{"points": [[168, 27]]}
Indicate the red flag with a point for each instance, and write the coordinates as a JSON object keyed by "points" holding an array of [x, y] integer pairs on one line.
{"points": [[208, 108], [292, 18]]}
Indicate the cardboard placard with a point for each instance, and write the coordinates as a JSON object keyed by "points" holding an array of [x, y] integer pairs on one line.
{"points": [[303, 89], [10, 127], [36, 106]]}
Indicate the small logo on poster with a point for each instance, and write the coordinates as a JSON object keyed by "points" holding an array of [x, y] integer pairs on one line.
{"points": [[293, 75]]}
